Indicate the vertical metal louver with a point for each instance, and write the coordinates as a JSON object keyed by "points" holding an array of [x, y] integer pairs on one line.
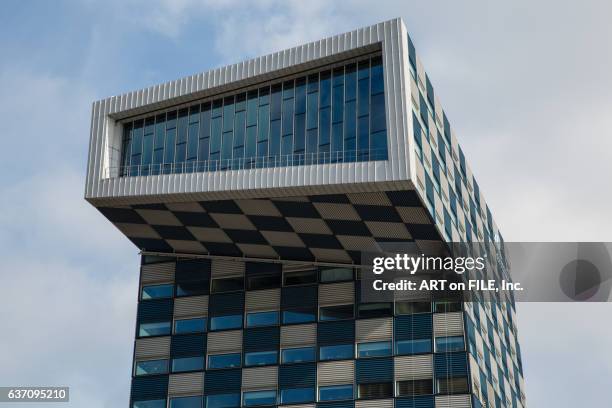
{"points": [[157, 273]]}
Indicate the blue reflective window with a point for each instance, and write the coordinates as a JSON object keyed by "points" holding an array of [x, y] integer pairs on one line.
{"points": [[297, 395], [258, 358], [151, 367], [226, 322], [157, 291], [298, 316], [375, 349], [187, 364], [262, 319], [452, 343], [223, 401], [336, 352], [154, 329], [224, 361], [197, 325], [298, 355], [149, 404], [186, 402], [413, 346], [258, 398], [336, 392]]}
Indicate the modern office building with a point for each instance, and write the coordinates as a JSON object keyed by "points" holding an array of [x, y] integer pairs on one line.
{"points": [[251, 191]]}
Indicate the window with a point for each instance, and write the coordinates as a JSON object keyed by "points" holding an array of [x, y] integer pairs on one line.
{"points": [[336, 352], [336, 392], [377, 390], [190, 325], [452, 343], [223, 401], [227, 284], [154, 329], [455, 385], [262, 319], [192, 288], [296, 395], [402, 308], [417, 346], [415, 387], [258, 358], [224, 361], [368, 310], [299, 277], [157, 292], [298, 355], [258, 282], [180, 365], [298, 316], [150, 404], [336, 274], [226, 322], [186, 402], [336, 312], [376, 349], [151, 367], [258, 398], [447, 305]]}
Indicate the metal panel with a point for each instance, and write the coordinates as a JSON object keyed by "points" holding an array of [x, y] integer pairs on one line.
{"points": [[453, 401], [299, 296], [337, 294], [418, 367], [259, 377], [187, 345], [258, 300], [225, 341], [223, 381], [340, 332], [374, 370], [223, 268], [297, 375], [186, 384], [450, 365], [448, 324], [157, 272], [155, 310], [417, 326], [261, 338], [336, 372], [152, 387], [374, 329], [298, 335], [378, 403], [192, 306], [152, 348]]}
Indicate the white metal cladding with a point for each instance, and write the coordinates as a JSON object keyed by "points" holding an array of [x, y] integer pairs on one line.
{"points": [[448, 324], [225, 341], [260, 300], [453, 401], [336, 372], [105, 138], [157, 347], [192, 306], [337, 294], [259, 378], [417, 367], [157, 273], [224, 268], [374, 329], [379, 403], [298, 335], [186, 384]]}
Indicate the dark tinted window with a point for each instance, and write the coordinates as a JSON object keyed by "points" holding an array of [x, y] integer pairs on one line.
{"points": [[300, 277], [415, 387], [227, 284], [336, 312], [379, 390]]}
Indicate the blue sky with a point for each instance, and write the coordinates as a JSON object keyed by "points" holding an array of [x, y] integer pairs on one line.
{"points": [[526, 86]]}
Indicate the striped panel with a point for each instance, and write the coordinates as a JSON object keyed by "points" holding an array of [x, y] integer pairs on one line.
{"points": [[374, 329], [418, 367], [192, 306], [259, 378], [298, 335], [422, 401], [186, 384], [453, 401], [152, 348], [378, 403], [158, 272], [257, 300], [222, 268], [448, 324], [337, 294], [225, 341], [336, 372]]}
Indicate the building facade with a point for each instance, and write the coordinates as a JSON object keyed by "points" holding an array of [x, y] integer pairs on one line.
{"points": [[252, 191]]}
